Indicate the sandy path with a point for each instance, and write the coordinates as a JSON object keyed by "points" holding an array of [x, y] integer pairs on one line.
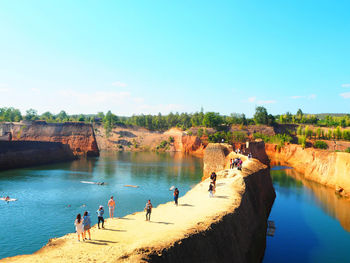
{"points": [[124, 239]]}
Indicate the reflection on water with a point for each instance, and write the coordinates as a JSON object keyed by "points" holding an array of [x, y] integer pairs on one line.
{"points": [[312, 222], [326, 198], [50, 196]]}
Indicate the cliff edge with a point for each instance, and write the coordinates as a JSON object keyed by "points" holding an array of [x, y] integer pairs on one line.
{"points": [[327, 168], [80, 137]]}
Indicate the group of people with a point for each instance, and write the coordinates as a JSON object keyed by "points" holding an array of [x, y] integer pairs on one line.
{"points": [[237, 162], [83, 224]]}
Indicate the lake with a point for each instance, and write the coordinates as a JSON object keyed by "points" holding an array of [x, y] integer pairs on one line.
{"points": [[312, 222], [50, 197]]}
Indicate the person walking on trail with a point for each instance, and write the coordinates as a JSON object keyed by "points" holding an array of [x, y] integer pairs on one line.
{"points": [[176, 195], [111, 206], [231, 164], [148, 209], [87, 225], [211, 187], [213, 181], [100, 219], [79, 228]]}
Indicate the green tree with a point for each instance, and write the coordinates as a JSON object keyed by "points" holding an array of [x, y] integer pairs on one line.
{"points": [[212, 119], [261, 116], [31, 115]]}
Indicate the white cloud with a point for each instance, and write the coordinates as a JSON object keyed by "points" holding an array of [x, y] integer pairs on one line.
{"points": [[266, 101], [3, 85], [312, 96], [297, 97], [345, 95], [346, 85], [252, 99], [119, 84], [4, 90], [35, 90]]}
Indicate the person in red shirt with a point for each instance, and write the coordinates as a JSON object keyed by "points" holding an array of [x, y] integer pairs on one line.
{"points": [[111, 206]]}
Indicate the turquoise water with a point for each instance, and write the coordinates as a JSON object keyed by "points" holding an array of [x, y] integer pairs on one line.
{"points": [[312, 222], [50, 197]]}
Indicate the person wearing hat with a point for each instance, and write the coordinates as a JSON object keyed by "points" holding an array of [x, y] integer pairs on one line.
{"points": [[100, 213]]}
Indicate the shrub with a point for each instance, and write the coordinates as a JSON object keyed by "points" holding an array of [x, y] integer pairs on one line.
{"points": [[347, 150], [200, 132], [320, 145], [171, 139], [279, 139], [302, 141], [163, 144]]}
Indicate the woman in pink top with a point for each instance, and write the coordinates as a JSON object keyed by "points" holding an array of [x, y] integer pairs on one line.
{"points": [[111, 206]]}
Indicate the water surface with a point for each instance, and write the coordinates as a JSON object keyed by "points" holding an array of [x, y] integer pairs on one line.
{"points": [[50, 197], [312, 222]]}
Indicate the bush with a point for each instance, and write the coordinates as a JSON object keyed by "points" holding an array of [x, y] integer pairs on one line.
{"points": [[200, 132], [171, 139], [302, 141], [163, 144], [347, 150], [279, 139], [320, 145]]}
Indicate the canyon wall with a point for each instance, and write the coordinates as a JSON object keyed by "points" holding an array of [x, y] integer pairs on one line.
{"points": [[19, 154], [217, 155], [80, 137], [130, 138], [327, 168]]}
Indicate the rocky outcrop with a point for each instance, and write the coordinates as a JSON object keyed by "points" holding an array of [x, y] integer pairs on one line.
{"points": [[327, 168], [80, 137], [217, 155], [23, 154]]}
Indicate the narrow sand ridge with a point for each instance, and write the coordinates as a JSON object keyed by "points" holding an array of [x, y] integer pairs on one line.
{"points": [[131, 238]]}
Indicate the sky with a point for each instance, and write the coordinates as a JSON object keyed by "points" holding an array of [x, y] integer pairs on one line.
{"points": [[153, 56]]}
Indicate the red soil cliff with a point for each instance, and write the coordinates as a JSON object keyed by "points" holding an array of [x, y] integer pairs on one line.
{"points": [[328, 168], [79, 136]]}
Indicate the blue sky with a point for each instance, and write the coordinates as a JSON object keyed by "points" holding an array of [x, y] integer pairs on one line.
{"points": [[160, 56]]}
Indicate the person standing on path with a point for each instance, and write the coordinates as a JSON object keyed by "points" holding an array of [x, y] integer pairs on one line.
{"points": [[213, 181], [111, 206], [176, 196], [211, 187], [79, 227], [148, 209], [87, 225], [100, 213]]}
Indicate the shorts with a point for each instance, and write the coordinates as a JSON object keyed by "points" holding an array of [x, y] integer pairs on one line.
{"points": [[87, 227]]}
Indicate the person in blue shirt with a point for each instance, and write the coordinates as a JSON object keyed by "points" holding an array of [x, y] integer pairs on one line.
{"points": [[100, 213], [87, 225]]}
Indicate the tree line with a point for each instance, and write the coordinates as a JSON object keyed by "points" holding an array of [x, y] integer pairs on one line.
{"points": [[184, 121]]}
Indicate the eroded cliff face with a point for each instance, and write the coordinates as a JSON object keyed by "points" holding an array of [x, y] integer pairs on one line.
{"points": [[327, 168], [25, 153], [141, 139], [238, 236], [80, 137], [217, 156]]}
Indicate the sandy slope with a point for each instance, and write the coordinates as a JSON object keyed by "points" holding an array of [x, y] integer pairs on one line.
{"points": [[131, 237]]}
